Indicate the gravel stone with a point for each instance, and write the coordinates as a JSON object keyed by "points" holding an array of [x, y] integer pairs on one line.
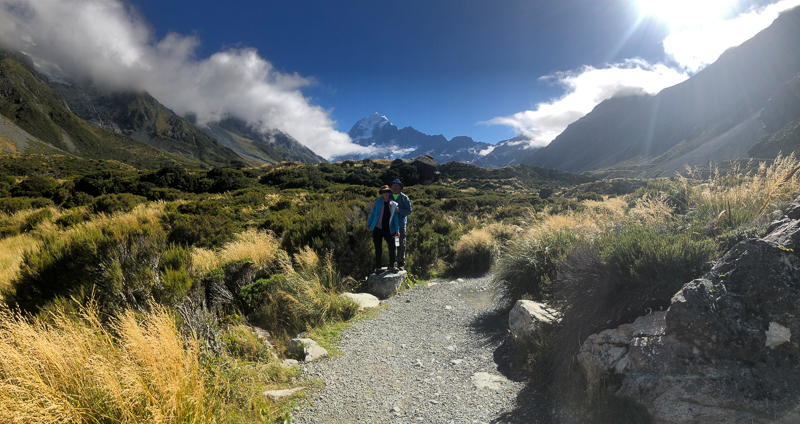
{"points": [[415, 361]]}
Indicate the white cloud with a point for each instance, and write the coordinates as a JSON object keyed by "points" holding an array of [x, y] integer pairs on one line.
{"points": [[695, 48], [584, 89], [112, 45], [692, 49]]}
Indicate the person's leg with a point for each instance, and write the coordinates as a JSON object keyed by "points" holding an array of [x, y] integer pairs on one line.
{"points": [[392, 249], [401, 251], [377, 239]]}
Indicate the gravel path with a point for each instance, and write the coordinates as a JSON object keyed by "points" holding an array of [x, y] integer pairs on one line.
{"points": [[436, 354]]}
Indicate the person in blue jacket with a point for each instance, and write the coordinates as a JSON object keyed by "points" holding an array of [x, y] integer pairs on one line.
{"points": [[384, 223]]}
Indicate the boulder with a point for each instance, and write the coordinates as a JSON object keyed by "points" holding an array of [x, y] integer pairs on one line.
{"points": [[427, 168], [726, 350], [364, 300], [277, 395], [307, 349], [385, 284], [527, 318]]}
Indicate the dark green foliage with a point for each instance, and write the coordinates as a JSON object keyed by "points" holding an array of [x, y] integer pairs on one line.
{"points": [[200, 229], [430, 240], [11, 205], [119, 262], [256, 293], [8, 231], [107, 182], [35, 187], [110, 203], [34, 219], [303, 176], [69, 220], [227, 179], [78, 198], [589, 195], [531, 263], [659, 263]]}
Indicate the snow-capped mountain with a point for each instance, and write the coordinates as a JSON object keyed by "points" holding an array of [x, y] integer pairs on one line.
{"points": [[390, 142]]}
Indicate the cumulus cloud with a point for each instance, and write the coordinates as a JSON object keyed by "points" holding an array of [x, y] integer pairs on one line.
{"points": [[584, 89], [111, 45], [690, 49]]}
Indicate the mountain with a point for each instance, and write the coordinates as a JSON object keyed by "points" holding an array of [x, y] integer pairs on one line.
{"points": [[271, 146], [716, 115], [389, 142], [37, 120], [142, 117]]}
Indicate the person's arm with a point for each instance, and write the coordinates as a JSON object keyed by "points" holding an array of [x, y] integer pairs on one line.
{"points": [[404, 206]]}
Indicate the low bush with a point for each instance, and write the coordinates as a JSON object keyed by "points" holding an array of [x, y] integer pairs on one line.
{"points": [[110, 203], [242, 343], [531, 262], [473, 252], [34, 219], [69, 220], [119, 261]]}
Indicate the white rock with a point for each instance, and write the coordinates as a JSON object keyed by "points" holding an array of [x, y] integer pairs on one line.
{"points": [[386, 284], [777, 335], [280, 394], [484, 380], [364, 300], [307, 349], [527, 318]]}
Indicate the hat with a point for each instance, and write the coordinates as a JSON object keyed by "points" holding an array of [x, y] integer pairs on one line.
{"points": [[397, 182], [383, 189]]}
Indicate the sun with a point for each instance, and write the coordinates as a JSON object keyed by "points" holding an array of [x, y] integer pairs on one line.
{"points": [[685, 13]]}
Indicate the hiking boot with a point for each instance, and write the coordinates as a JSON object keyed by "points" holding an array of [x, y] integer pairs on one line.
{"points": [[391, 269]]}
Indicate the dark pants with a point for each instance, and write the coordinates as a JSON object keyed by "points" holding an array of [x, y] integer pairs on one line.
{"points": [[378, 235], [401, 251]]}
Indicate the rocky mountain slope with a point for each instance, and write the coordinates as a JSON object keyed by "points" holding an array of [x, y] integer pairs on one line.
{"points": [[37, 120], [391, 142], [714, 116], [144, 118]]}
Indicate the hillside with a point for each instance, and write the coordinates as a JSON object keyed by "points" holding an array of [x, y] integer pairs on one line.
{"points": [[36, 120], [713, 116]]}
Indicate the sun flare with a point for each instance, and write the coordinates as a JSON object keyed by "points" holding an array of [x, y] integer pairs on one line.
{"points": [[685, 13]]}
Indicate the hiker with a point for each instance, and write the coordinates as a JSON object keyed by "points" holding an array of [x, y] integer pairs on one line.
{"points": [[403, 210], [385, 225]]}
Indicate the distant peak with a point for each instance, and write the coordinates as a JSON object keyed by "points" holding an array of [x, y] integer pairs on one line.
{"points": [[363, 128]]}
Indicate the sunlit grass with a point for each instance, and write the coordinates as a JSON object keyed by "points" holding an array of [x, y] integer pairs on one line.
{"points": [[74, 369], [11, 251], [262, 247]]}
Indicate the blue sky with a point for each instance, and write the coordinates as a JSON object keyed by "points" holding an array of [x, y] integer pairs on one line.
{"points": [[485, 69]]}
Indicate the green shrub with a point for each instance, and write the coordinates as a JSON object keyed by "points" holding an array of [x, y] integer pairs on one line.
{"points": [[242, 343], [589, 195], [531, 263], [77, 198], [8, 231], [69, 220], [118, 261], [34, 219], [12, 205], [37, 186], [110, 203], [201, 230]]}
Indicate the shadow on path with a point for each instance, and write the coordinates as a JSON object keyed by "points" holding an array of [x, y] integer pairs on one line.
{"points": [[532, 406]]}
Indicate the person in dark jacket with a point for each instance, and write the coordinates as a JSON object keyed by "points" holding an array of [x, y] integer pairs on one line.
{"points": [[384, 222], [403, 210]]}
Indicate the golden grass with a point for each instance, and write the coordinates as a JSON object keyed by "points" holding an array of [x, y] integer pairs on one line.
{"points": [[11, 251], [75, 370], [262, 247]]}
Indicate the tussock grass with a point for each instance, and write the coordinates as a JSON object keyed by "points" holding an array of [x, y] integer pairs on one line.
{"points": [[11, 251], [262, 247], [73, 369]]}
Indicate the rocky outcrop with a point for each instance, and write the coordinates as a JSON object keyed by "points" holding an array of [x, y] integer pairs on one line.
{"points": [[725, 351], [385, 284]]}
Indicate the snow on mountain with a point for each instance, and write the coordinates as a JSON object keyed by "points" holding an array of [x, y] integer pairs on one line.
{"points": [[389, 142]]}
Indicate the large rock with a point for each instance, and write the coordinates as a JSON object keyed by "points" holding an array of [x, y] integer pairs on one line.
{"points": [[364, 300], [726, 350], [385, 284], [527, 318], [307, 349], [427, 168]]}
